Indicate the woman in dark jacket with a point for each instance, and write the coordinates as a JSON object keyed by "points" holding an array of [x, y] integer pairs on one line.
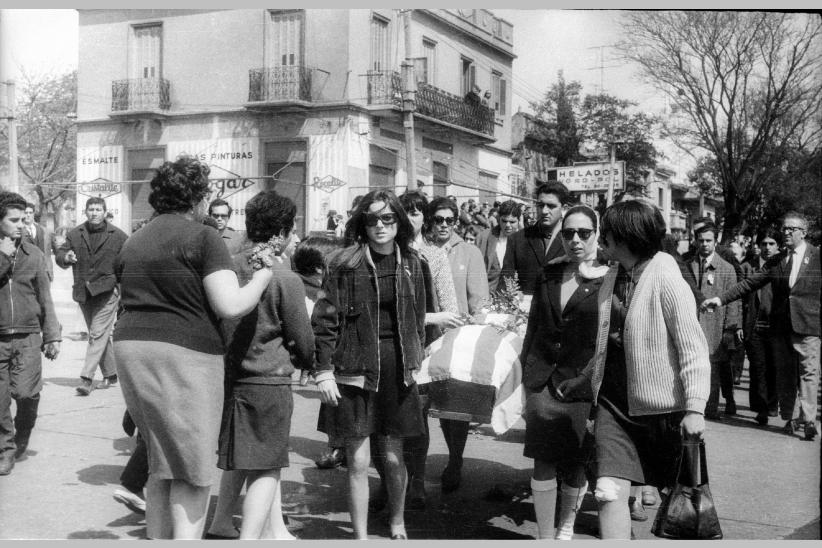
{"points": [[369, 328], [559, 342]]}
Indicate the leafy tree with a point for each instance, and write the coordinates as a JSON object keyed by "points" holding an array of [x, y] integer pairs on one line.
{"points": [[46, 137], [558, 111], [747, 85], [604, 117]]}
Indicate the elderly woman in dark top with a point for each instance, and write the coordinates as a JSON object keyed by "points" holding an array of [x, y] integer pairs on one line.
{"points": [[177, 282], [369, 328], [263, 349]]}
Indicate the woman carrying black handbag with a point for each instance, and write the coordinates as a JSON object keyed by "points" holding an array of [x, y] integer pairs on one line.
{"points": [[651, 385]]}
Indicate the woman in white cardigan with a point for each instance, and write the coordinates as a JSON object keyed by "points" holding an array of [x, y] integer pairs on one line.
{"points": [[650, 373]]}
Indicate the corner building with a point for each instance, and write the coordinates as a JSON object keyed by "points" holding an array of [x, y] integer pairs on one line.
{"points": [[307, 102]]}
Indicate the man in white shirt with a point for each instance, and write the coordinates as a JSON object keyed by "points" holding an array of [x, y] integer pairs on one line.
{"points": [[493, 241]]}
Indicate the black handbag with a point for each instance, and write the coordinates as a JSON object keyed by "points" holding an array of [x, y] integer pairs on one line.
{"points": [[688, 511]]}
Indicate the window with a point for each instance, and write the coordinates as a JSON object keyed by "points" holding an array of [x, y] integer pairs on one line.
{"points": [[440, 179], [146, 54], [469, 75], [286, 162], [380, 44], [428, 70], [284, 39], [662, 198], [487, 187], [382, 168], [498, 92]]}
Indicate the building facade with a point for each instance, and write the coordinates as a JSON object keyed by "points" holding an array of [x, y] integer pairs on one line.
{"points": [[307, 102]]}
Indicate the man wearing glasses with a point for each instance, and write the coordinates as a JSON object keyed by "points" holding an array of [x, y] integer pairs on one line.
{"points": [[795, 276], [220, 211]]}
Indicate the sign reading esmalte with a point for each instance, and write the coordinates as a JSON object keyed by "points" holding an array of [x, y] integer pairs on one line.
{"points": [[587, 177]]}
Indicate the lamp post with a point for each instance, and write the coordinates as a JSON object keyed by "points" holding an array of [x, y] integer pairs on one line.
{"points": [[615, 140]]}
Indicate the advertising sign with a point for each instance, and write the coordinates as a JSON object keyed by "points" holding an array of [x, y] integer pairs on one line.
{"points": [[591, 177]]}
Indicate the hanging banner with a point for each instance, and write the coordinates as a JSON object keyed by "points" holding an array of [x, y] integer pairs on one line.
{"points": [[589, 177]]}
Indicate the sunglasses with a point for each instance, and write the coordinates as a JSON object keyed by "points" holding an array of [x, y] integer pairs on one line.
{"points": [[568, 233], [447, 220], [371, 219]]}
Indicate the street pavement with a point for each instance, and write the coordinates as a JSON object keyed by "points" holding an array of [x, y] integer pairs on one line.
{"points": [[765, 483]]}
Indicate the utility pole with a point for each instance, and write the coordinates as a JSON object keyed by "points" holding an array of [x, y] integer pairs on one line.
{"points": [[615, 140], [7, 97], [409, 91]]}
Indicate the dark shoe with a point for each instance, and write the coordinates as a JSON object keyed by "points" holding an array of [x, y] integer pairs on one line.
{"points": [[6, 463], [21, 440], [132, 501], [85, 387], [637, 510], [762, 419], [810, 431], [451, 478], [108, 382], [730, 408], [789, 428], [332, 459]]}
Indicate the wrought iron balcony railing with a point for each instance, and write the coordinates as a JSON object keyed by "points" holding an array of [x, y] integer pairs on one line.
{"points": [[140, 94], [385, 87], [281, 83]]}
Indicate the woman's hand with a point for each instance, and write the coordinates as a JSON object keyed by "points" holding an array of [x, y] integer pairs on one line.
{"points": [[445, 320], [329, 393], [692, 425], [569, 387]]}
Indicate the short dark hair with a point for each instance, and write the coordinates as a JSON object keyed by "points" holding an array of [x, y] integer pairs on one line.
{"points": [[31, 205], [769, 232], [441, 202], [509, 208], [217, 202], [557, 189], [313, 253], [10, 200], [583, 210], [96, 200], [470, 229], [268, 214], [414, 199], [355, 227], [178, 186], [637, 224], [704, 224]]}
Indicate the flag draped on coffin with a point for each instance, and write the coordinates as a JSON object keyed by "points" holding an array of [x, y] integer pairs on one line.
{"points": [[485, 355]]}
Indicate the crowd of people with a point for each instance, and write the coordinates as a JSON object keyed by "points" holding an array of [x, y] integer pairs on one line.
{"points": [[627, 349]]}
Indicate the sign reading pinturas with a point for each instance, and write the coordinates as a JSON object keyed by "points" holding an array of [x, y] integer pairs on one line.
{"points": [[589, 177]]}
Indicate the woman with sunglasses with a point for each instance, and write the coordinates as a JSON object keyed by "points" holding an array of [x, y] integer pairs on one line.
{"points": [[558, 344], [369, 328]]}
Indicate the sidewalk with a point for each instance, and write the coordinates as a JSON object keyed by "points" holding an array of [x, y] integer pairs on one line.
{"points": [[765, 484]]}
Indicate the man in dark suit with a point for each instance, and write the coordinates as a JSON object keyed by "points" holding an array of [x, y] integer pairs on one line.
{"points": [[529, 249], [91, 249], [795, 276], [494, 241], [40, 236], [220, 211]]}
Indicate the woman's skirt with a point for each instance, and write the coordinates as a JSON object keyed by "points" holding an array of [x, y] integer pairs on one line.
{"points": [[554, 430], [255, 427], [175, 396], [393, 410]]}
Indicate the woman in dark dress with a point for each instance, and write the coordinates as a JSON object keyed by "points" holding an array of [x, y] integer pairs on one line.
{"points": [[370, 327], [558, 345]]}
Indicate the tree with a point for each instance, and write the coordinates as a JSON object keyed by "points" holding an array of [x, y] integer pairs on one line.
{"points": [[46, 137], [748, 85], [558, 113], [604, 117]]}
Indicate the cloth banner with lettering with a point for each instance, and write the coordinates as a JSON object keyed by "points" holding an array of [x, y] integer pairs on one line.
{"points": [[485, 355]]}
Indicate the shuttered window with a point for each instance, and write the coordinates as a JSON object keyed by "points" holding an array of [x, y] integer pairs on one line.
{"points": [[146, 54], [284, 38], [380, 44]]}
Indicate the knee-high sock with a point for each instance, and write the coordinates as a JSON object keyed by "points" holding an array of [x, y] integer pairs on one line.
{"points": [[570, 500], [544, 493]]}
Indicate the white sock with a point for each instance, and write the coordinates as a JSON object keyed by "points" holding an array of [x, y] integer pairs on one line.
{"points": [[544, 493], [570, 500]]}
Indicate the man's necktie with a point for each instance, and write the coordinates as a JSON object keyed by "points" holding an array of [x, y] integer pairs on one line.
{"points": [[789, 267]]}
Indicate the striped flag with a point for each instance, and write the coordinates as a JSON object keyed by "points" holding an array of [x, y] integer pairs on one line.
{"points": [[485, 355]]}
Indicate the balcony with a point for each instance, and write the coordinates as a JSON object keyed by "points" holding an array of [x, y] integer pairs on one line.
{"points": [[140, 95], [285, 83], [385, 87]]}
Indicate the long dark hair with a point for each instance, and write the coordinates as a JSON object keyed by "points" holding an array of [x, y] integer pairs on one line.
{"points": [[355, 228]]}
